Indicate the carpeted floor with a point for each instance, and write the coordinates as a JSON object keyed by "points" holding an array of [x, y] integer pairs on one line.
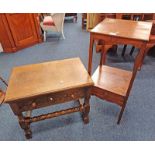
{"points": [[138, 122]]}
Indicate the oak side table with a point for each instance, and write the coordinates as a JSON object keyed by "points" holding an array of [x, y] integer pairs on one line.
{"points": [[40, 85], [119, 31]]}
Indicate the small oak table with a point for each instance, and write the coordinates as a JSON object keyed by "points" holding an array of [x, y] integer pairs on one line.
{"points": [[39, 85], [118, 31], [112, 84]]}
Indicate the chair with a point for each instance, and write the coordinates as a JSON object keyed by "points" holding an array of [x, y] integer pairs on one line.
{"points": [[113, 84], [129, 16], [74, 15], [151, 42], [53, 23], [100, 43], [2, 93], [84, 20], [94, 18], [135, 16]]}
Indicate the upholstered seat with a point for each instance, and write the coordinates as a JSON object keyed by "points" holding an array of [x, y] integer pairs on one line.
{"points": [[53, 23], [48, 21]]}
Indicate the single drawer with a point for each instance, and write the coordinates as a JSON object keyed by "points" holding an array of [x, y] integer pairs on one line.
{"points": [[50, 99]]}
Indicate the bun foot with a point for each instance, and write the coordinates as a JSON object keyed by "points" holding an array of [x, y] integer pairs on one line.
{"points": [[86, 120], [28, 135]]}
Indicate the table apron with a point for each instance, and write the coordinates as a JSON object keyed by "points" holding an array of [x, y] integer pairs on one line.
{"points": [[110, 40], [49, 99]]}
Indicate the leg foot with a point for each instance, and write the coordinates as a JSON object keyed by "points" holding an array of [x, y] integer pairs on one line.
{"points": [[85, 119], [28, 135], [120, 115], [25, 125], [85, 114], [63, 36]]}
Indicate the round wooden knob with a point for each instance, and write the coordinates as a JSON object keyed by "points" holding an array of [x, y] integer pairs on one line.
{"points": [[34, 105], [51, 98], [72, 96]]}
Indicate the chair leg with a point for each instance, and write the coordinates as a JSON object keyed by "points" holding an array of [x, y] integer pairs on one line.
{"points": [[44, 36], [75, 19], [83, 26], [124, 49], [132, 50], [63, 36], [121, 114]]}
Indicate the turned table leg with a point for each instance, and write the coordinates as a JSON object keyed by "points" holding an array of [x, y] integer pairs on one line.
{"points": [[86, 109], [25, 125]]}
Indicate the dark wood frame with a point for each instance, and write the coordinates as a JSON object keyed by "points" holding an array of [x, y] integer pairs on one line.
{"points": [[29, 104], [108, 41]]}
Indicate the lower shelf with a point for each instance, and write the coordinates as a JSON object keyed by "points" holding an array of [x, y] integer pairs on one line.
{"points": [[112, 79]]}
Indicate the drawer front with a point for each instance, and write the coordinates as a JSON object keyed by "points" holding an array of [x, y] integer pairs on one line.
{"points": [[50, 99], [61, 97]]}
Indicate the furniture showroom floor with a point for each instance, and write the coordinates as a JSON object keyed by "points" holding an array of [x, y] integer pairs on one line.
{"points": [[138, 122]]}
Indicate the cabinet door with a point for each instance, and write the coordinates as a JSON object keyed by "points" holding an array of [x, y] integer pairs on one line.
{"points": [[6, 38], [22, 26]]}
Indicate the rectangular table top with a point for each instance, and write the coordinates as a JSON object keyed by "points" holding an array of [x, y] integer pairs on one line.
{"points": [[138, 30], [48, 77]]}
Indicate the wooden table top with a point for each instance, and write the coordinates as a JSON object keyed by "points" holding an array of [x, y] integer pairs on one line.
{"points": [[49, 77], [124, 28]]}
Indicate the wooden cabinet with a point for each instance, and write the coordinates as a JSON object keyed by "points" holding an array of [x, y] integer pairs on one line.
{"points": [[94, 18], [19, 30], [6, 38]]}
